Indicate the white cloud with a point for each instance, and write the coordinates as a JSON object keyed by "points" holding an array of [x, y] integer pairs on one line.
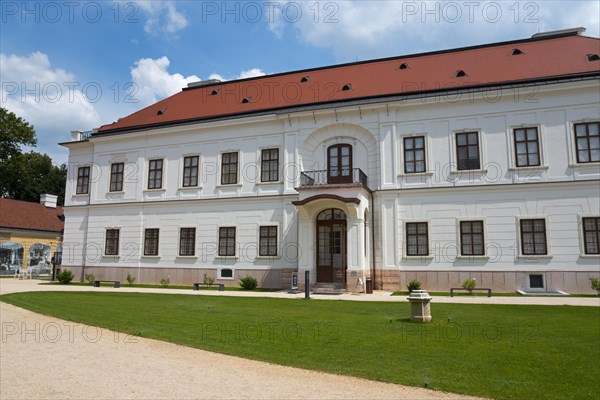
{"points": [[51, 99], [163, 17], [249, 73], [56, 101], [369, 29], [154, 82]]}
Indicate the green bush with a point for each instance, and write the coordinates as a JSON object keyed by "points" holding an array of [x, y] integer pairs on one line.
{"points": [[595, 282], [208, 280], [470, 284], [248, 283], [130, 279], [165, 282], [65, 277], [413, 285], [90, 278]]}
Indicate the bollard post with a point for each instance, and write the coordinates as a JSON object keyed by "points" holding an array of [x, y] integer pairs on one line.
{"points": [[307, 285]]}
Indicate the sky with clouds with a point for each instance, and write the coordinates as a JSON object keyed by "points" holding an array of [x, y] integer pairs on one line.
{"points": [[76, 65]]}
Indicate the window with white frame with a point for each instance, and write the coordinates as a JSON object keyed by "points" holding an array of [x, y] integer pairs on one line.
{"points": [[225, 273], [151, 242], [116, 176], [227, 241], [268, 241], [269, 168], [155, 173], [468, 154], [527, 147], [190, 171], [472, 241], [587, 142], [111, 247], [533, 237], [229, 168], [83, 180], [187, 242], [591, 235], [414, 154], [417, 239]]}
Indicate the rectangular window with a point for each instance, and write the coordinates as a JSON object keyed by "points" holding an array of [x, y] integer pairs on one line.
{"points": [[229, 168], [151, 242], [536, 281], [467, 151], [268, 241], [116, 177], [190, 171], [527, 147], [187, 241], [269, 168], [591, 235], [414, 154], [111, 247], [227, 241], [471, 238], [83, 180], [587, 142], [533, 237], [155, 169], [417, 242]]}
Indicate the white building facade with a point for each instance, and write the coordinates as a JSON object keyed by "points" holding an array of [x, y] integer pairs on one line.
{"points": [[497, 182]]}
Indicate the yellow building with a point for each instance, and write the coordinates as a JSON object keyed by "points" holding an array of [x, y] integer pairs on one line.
{"points": [[30, 234]]}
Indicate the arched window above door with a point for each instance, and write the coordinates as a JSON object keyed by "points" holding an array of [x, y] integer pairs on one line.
{"points": [[331, 214]]}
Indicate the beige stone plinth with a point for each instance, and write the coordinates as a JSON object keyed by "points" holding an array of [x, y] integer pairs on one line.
{"points": [[420, 309]]}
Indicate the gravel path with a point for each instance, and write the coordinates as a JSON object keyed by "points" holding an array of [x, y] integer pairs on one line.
{"points": [[48, 358]]}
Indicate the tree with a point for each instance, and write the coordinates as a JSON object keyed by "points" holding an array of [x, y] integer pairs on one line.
{"points": [[25, 176], [14, 133], [28, 175]]}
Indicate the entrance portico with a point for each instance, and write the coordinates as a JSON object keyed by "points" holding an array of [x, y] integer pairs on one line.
{"points": [[333, 240]]}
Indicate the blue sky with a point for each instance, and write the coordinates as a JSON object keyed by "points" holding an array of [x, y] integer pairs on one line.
{"points": [[68, 65]]}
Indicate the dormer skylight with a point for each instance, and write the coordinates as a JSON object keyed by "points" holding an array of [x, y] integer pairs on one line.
{"points": [[347, 86], [593, 57], [246, 100], [460, 73], [215, 92], [517, 52], [305, 79], [404, 66]]}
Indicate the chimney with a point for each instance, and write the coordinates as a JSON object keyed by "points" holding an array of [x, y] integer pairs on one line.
{"points": [[48, 200]]}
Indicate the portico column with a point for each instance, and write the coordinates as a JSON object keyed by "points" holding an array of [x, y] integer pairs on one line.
{"points": [[306, 240]]}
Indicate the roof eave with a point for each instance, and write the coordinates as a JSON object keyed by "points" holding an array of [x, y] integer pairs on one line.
{"points": [[347, 102]]}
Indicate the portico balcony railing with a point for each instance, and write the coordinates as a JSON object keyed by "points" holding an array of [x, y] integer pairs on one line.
{"points": [[325, 177]]}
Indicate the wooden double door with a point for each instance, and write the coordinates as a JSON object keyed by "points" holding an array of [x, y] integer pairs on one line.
{"points": [[331, 246]]}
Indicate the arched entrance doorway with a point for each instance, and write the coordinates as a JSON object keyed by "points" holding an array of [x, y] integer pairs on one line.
{"points": [[331, 246]]}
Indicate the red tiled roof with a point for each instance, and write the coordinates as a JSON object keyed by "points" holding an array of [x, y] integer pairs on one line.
{"points": [[494, 64], [18, 214]]}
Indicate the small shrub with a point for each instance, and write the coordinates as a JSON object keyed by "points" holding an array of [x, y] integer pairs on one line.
{"points": [[165, 282], [413, 285], [208, 280], [90, 278], [130, 279], [595, 283], [470, 284], [248, 283], [65, 277]]}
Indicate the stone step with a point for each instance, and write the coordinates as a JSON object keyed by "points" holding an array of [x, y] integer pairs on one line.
{"points": [[329, 288]]}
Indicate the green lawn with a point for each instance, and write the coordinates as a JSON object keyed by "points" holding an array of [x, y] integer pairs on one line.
{"points": [[498, 351]]}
